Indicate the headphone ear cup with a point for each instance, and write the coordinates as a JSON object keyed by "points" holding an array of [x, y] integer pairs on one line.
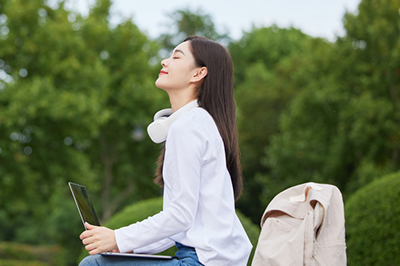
{"points": [[158, 130]]}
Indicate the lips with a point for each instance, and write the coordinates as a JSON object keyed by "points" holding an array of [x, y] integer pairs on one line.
{"points": [[162, 72]]}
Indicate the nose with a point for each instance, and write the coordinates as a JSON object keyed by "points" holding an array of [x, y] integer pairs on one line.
{"points": [[164, 63]]}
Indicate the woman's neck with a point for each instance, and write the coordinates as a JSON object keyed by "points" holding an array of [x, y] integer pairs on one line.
{"points": [[178, 102]]}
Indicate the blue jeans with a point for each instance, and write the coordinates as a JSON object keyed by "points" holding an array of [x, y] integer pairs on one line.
{"points": [[185, 256]]}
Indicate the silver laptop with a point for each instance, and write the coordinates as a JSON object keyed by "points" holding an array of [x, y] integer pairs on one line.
{"points": [[88, 214]]}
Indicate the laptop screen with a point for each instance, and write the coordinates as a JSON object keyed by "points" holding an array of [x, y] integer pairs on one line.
{"points": [[84, 204]]}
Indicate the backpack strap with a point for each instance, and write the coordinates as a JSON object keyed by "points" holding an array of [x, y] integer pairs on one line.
{"points": [[309, 238], [319, 213]]}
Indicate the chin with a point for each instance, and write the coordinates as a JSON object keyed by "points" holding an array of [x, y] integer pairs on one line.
{"points": [[160, 85]]}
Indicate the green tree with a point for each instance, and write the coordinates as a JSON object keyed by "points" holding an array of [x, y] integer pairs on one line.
{"points": [[184, 23], [374, 34], [40, 108], [131, 102], [271, 68], [343, 128], [75, 97]]}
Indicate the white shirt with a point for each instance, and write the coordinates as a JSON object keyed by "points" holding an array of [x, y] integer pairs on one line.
{"points": [[198, 206]]}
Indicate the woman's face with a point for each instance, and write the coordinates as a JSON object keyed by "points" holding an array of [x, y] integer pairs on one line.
{"points": [[177, 71]]}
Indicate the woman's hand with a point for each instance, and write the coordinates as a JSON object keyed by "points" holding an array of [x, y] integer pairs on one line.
{"points": [[98, 239]]}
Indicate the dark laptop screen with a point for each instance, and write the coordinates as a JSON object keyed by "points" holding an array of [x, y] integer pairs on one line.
{"points": [[84, 204]]}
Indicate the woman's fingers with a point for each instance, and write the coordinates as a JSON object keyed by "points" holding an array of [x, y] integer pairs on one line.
{"points": [[98, 239]]}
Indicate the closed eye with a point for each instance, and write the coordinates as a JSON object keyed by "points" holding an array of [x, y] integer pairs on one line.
{"points": [[176, 52]]}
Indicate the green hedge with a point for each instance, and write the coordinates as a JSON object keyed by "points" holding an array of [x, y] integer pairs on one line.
{"points": [[20, 254], [373, 223], [21, 262], [144, 209]]}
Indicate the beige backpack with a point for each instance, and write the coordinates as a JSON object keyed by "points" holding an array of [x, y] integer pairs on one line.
{"points": [[303, 225]]}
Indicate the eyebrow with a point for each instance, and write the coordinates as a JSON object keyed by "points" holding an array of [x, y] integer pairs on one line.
{"points": [[178, 51]]}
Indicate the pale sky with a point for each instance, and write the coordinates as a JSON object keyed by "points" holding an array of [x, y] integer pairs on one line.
{"points": [[319, 18]]}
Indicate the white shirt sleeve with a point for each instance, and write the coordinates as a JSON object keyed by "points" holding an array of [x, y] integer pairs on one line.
{"points": [[181, 172]]}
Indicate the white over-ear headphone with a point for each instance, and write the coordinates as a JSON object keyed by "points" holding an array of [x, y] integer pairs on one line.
{"points": [[158, 129]]}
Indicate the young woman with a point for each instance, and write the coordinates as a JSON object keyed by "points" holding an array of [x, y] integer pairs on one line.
{"points": [[199, 169]]}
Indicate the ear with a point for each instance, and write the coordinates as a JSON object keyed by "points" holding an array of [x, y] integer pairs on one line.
{"points": [[200, 74]]}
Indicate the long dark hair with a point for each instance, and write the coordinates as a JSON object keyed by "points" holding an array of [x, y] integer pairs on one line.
{"points": [[216, 96]]}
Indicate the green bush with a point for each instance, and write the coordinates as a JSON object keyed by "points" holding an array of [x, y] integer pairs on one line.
{"points": [[21, 262], [252, 230], [19, 254], [373, 223], [135, 212], [144, 209]]}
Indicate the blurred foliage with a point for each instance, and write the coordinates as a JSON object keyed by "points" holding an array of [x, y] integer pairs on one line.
{"points": [[267, 78], [311, 110], [373, 223], [75, 100], [184, 23], [22, 262], [252, 231], [144, 209], [77, 94], [20, 254]]}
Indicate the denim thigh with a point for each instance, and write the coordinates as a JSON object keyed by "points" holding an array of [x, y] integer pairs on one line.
{"points": [[185, 256]]}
